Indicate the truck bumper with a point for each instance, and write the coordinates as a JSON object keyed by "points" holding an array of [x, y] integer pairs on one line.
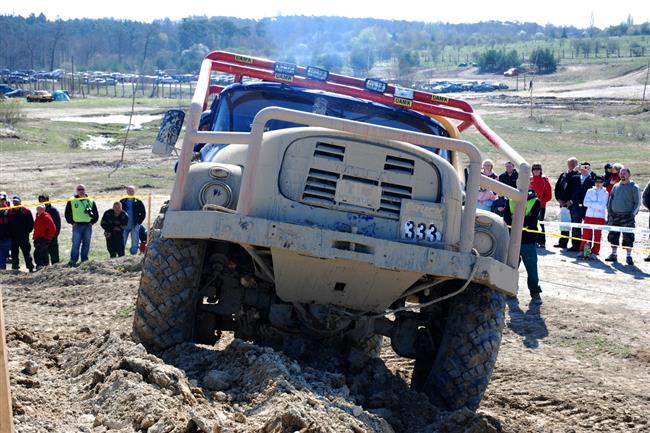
{"points": [[315, 242]]}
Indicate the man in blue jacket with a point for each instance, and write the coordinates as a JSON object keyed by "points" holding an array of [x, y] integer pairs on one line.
{"points": [[136, 212]]}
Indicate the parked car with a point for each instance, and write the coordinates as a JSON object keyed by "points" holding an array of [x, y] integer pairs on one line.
{"points": [[512, 72], [40, 96], [5, 89], [18, 93]]}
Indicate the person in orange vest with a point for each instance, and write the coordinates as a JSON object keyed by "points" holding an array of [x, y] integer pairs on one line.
{"points": [[44, 232]]}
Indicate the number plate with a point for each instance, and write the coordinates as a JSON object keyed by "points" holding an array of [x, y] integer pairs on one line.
{"points": [[358, 194], [421, 222]]}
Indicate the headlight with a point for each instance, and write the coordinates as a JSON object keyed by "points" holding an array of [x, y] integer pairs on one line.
{"points": [[216, 193], [484, 241]]}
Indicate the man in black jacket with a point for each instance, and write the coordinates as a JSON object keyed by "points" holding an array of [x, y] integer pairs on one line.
{"points": [[528, 250], [508, 177], [114, 221], [134, 209], [53, 249], [5, 230], [586, 180], [22, 224], [565, 188]]}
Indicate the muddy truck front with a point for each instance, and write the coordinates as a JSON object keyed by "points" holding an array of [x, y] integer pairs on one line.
{"points": [[336, 229]]}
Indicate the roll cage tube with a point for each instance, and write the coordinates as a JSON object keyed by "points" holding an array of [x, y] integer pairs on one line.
{"points": [[427, 103]]}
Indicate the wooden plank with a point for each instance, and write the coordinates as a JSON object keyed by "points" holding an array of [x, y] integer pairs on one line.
{"points": [[6, 416]]}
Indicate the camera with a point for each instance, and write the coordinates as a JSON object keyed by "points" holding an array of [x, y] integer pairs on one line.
{"points": [[89, 210]]}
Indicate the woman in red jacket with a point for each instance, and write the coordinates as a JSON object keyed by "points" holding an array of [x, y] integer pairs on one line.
{"points": [[542, 187], [44, 232]]}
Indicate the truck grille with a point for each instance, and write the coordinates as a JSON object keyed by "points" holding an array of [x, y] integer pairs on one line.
{"points": [[320, 187], [399, 165], [329, 151], [345, 174], [391, 199]]}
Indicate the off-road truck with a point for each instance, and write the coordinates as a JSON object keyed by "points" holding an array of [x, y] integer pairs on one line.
{"points": [[313, 206]]}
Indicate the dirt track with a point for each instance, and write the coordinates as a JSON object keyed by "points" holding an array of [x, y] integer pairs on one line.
{"points": [[574, 366]]}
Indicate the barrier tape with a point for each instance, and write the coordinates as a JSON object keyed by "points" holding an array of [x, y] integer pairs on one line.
{"points": [[635, 230], [95, 197], [590, 241]]}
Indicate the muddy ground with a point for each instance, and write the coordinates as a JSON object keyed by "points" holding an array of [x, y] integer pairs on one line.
{"points": [[575, 364]]}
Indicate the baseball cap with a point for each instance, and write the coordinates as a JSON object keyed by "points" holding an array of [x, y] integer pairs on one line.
{"points": [[3, 195], [15, 198]]}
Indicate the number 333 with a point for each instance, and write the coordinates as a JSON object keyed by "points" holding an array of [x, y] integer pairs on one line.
{"points": [[420, 231]]}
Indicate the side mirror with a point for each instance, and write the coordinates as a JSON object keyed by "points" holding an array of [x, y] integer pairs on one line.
{"points": [[170, 128]]}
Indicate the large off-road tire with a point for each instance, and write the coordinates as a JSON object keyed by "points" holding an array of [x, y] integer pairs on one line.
{"points": [[457, 374], [168, 294], [371, 346]]}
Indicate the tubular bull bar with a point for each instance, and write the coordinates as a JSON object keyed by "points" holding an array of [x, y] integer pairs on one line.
{"points": [[321, 243], [434, 106]]}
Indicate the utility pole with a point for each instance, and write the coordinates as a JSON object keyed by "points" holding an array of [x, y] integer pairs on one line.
{"points": [[6, 422], [530, 87], [646, 83], [72, 83]]}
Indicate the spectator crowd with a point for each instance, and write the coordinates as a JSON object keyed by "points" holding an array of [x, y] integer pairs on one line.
{"points": [[17, 223], [610, 198]]}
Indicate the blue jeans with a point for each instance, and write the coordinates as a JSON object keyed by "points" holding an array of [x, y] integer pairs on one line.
{"points": [[577, 216], [5, 247], [135, 238], [529, 257], [81, 235]]}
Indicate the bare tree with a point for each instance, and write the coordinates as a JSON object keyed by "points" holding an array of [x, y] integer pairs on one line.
{"points": [[58, 33]]}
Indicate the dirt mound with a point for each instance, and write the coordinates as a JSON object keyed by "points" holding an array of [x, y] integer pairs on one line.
{"points": [[242, 387], [75, 367]]}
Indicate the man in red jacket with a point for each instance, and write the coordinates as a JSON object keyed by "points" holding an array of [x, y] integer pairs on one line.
{"points": [[542, 187], [44, 232]]}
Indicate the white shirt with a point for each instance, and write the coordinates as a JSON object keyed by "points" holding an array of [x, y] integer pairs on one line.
{"points": [[596, 202]]}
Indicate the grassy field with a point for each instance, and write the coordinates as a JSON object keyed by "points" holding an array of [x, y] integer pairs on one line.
{"points": [[563, 50], [36, 132], [42, 155], [598, 135]]}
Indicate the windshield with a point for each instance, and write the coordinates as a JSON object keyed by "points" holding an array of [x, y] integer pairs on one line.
{"points": [[237, 108]]}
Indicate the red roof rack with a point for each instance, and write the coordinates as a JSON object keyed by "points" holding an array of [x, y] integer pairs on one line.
{"points": [[424, 102]]}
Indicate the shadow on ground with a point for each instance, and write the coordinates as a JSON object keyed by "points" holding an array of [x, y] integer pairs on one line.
{"points": [[529, 324]]}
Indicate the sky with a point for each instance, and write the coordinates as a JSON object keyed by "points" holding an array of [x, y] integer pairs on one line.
{"points": [[558, 12]]}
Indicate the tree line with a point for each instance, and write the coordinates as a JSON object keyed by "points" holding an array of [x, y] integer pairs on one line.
{"points": [[339, 44]]}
